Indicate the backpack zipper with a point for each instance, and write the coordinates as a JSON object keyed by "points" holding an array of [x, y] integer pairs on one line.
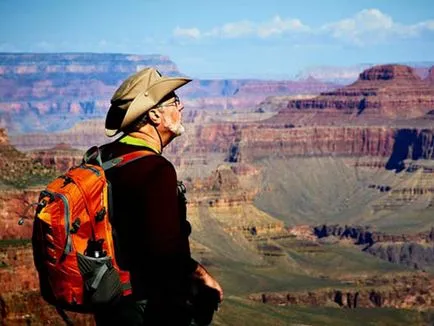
{"points": [[68, 243], [94, 170]]}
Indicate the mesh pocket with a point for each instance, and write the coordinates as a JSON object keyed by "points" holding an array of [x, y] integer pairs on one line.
{"points": [[101, 281]]}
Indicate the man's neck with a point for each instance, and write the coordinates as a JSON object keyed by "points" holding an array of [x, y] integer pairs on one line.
{"points": [[149, 136]]}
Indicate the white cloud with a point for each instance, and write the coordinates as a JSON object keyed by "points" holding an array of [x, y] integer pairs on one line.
{"points": [[187, 32], [372, 26], [279, 26], [237, 29], [368, 26], [417, 29], [245, 28]]}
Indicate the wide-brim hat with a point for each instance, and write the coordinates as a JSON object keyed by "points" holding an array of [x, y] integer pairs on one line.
{"points": [[138, 94]]}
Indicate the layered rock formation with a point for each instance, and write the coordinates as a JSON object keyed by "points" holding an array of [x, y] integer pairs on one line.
{"points": [[230, 203], [405, 292], [365, 235], [413, 250], [54, 91], [348, 74], [381, 92], [18, 169], [20, 300], [51, 92], [61, 157], [393, 143], [341, 129], [252, 141], [14, 205], [370, 117], [416, 255]]}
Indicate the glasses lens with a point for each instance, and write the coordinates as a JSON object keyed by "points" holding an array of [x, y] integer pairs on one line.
{"points": [[175, 102]]}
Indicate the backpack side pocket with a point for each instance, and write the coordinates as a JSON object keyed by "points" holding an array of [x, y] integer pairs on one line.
{"points": [[101, 281]]}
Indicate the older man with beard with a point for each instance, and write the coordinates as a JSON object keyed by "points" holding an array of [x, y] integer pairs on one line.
{"points": [[149, 210]]}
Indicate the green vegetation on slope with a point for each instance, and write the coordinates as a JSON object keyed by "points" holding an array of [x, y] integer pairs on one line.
{"points": [[240, 312], [339, 190]]}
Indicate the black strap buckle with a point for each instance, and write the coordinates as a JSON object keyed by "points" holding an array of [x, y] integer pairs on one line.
{"points": [[100, 215]]}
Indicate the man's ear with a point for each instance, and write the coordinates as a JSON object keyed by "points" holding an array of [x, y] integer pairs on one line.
{"points": [[155, 116]]}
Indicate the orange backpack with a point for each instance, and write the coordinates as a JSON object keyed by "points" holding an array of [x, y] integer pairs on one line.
{"points": [[72, 239]]}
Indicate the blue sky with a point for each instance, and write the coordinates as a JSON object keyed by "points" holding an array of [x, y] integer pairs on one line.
{"points": [[227, 38]]}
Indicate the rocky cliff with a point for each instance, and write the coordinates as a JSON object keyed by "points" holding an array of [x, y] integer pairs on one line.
{"points": [[396, 144], [413, 250], [384, 113], [251, 141], [408, 292], [20, 300], [61, 157], [387, 91], [365, 235], [333, 123], [348, 74], [18, 169], [15, 204], [51, 92], [48, 92], [225, 195]]}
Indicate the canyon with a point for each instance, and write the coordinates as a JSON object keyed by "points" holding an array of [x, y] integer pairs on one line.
{"points": [[52, 92], [299, 192]]}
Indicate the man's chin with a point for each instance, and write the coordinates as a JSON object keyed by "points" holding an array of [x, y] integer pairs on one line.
{"points": [[178, 131]]}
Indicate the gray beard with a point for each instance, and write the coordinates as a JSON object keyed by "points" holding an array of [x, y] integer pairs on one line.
{"points": [[177, 130]]}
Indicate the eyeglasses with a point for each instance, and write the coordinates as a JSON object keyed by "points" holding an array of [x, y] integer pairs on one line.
{"points": [[175, 101]]}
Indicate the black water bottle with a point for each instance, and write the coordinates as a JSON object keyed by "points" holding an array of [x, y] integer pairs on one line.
{"points": [[94, 249]]}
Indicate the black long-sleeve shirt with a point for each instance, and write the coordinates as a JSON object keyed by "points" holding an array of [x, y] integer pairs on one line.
{"points": [[151, 227]]}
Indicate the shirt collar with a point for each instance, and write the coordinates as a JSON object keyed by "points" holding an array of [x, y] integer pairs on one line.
{"points": [[130, 140]]}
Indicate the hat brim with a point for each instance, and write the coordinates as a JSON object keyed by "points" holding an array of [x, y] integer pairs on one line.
{"points": [[118, 119]]}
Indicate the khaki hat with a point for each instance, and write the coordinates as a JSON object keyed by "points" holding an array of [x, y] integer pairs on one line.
{"points": [[138, 94]]}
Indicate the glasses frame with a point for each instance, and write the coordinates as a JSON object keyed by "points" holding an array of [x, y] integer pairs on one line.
{"points": [[176, 102]]}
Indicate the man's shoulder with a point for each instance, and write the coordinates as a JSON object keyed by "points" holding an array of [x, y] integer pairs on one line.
{"points": [[116, 149], [156, 161]]}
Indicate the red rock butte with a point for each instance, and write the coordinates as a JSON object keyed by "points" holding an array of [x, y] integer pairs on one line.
{"points": [[381, 92]]}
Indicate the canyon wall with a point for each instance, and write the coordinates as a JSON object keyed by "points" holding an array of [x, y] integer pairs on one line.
{"points": [[20, 300], [404, 292], [413, 250], [252, 141], [53, 91], [381, 92], [393, 143]]}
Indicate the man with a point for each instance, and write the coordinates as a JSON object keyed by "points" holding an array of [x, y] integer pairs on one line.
{"points": [[151, 230]]}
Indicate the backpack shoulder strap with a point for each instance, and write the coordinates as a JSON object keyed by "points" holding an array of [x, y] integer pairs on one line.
{"points": [[93, 156], [124, 159]]}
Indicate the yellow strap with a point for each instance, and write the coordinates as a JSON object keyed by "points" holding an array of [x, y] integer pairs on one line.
{"points": [[129, 140]]}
